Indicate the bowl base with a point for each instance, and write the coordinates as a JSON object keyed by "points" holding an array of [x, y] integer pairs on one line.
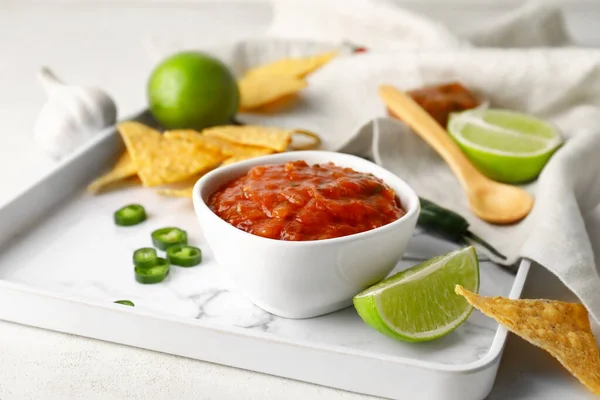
{"points": [[299, 313]]}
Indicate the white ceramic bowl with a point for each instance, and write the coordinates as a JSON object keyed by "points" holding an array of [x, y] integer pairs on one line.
{"points": [[305, 278]]}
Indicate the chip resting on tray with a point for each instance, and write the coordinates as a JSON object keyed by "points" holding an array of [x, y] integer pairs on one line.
{"points": [[226, 147], [234, 159], [562, 329], [276, 139], [298, 67], [276, 106], [159, 160], [274, 86], [123, 169], [263, 90], [176, 159]]}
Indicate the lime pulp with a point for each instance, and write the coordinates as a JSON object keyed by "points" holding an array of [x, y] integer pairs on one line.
{"points": [[419, 304], [505, 145]]}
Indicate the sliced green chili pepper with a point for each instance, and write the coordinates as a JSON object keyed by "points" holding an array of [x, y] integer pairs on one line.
{"points": [[125, 302], [166, 237], [129, 215], [449, 225], [145, 257], [184, 256], [154, 274]]}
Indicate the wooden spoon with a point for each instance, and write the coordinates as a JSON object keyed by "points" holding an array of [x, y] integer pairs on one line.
{"points": [[494, 202]]}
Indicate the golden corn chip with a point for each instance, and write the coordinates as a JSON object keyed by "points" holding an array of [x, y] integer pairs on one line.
{"points": [[298, 67], [160, 160], [214, 143], [276, 106], [311, 140], [185, 192], [253, 135], [182, 188], [234, 159], [190, 135], [259, 90], [251, 151], [562, 329], [123, 169]]}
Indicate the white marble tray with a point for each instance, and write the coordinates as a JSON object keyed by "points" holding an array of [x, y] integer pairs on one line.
{"points": [[63, 262]]}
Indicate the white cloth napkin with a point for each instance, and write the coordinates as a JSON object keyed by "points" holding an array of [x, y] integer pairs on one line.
{"points": [[560, 84]]}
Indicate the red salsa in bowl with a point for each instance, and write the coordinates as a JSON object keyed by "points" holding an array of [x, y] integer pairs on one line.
{"points": [[298, 202]]}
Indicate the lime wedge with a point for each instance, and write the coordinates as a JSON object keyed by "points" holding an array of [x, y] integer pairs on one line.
{"points": [[420, 304], [505, 145]]}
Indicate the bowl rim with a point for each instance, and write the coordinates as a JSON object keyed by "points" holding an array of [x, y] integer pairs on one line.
{"points": [[412, 209]]}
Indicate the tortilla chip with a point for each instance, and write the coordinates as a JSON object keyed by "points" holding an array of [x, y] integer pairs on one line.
{"points": [[186, 192], [259, 90], [123, 169], [233, 160], [562, 329], [298, 67], [251, 151], [276, 139], [276, 106], [160, 160], [309, 141], [214, 143]]}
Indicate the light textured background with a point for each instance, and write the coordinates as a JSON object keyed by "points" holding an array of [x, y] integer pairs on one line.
{"points": [[103, 43]]}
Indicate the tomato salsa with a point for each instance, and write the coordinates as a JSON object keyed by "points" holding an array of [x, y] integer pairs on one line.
{"points": [[442, 100], [296, 201]]}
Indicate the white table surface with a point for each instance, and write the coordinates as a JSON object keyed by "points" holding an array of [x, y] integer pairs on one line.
{"points": [[89, 43]]}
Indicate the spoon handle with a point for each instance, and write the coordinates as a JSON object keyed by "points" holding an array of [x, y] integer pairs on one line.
{"points": [[430, 130]]}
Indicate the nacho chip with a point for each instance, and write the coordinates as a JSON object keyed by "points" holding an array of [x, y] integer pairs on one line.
{"points": [[214, 143], [123, 169], [298, 67], [196, 137], [160, 160], [311, 140], [276, 106], [260, 90], [562, 329], [169, 192], [253, 135], [234, 159], [251, 151]]}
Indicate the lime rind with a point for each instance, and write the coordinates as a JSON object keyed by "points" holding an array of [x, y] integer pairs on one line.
{"points": [[548, 137], [504, 145], [407, 297]]}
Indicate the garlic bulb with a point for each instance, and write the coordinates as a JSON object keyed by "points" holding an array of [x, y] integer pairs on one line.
{"points": [[71, 115]]}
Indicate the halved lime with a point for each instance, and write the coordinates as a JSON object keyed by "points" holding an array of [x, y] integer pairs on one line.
{"points": [[505, 145], [420, 304]]}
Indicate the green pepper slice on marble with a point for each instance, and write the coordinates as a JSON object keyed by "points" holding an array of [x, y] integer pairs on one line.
{"points": [[184, 255]]}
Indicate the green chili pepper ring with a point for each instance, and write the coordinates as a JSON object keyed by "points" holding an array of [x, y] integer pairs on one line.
{"points": [[166, 237], [145, 257], [153, 274], [129, 215], [184, 256]]}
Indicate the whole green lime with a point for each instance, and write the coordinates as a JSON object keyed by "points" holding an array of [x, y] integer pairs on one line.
{"points": [[192, 90]]}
